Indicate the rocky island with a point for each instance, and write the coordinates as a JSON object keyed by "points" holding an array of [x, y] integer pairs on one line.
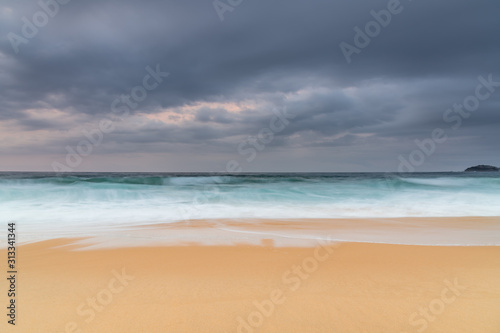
{"points": [[483, 168]]}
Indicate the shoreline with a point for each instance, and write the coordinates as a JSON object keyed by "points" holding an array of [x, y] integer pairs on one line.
{"points": [[424, 231]]}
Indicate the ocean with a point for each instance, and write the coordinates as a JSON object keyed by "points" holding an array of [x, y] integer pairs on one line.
{"points": [[49, 203]]}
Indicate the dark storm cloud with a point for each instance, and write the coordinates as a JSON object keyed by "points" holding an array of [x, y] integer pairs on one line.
{"points": [[283, 53]]}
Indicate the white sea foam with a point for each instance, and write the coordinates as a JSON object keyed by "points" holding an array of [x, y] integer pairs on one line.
{"points": [[76, 204]]}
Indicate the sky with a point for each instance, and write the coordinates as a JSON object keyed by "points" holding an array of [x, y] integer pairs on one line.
{"points": [[249, 86]]}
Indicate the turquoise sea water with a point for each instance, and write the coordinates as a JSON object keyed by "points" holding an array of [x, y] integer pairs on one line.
{"points": [[40, 202], [113, 205]]}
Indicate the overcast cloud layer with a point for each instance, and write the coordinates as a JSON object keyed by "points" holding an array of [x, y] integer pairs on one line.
{"points": [[228, 79]]}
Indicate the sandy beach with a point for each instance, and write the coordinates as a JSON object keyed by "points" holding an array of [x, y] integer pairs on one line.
{"points": [[330, 287], [238, 166]]}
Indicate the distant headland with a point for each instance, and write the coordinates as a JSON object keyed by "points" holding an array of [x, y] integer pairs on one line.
{"points": [[483, 168]]}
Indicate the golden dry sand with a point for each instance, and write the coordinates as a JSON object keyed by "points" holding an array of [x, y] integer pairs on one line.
{"points": [[348, 287]]}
